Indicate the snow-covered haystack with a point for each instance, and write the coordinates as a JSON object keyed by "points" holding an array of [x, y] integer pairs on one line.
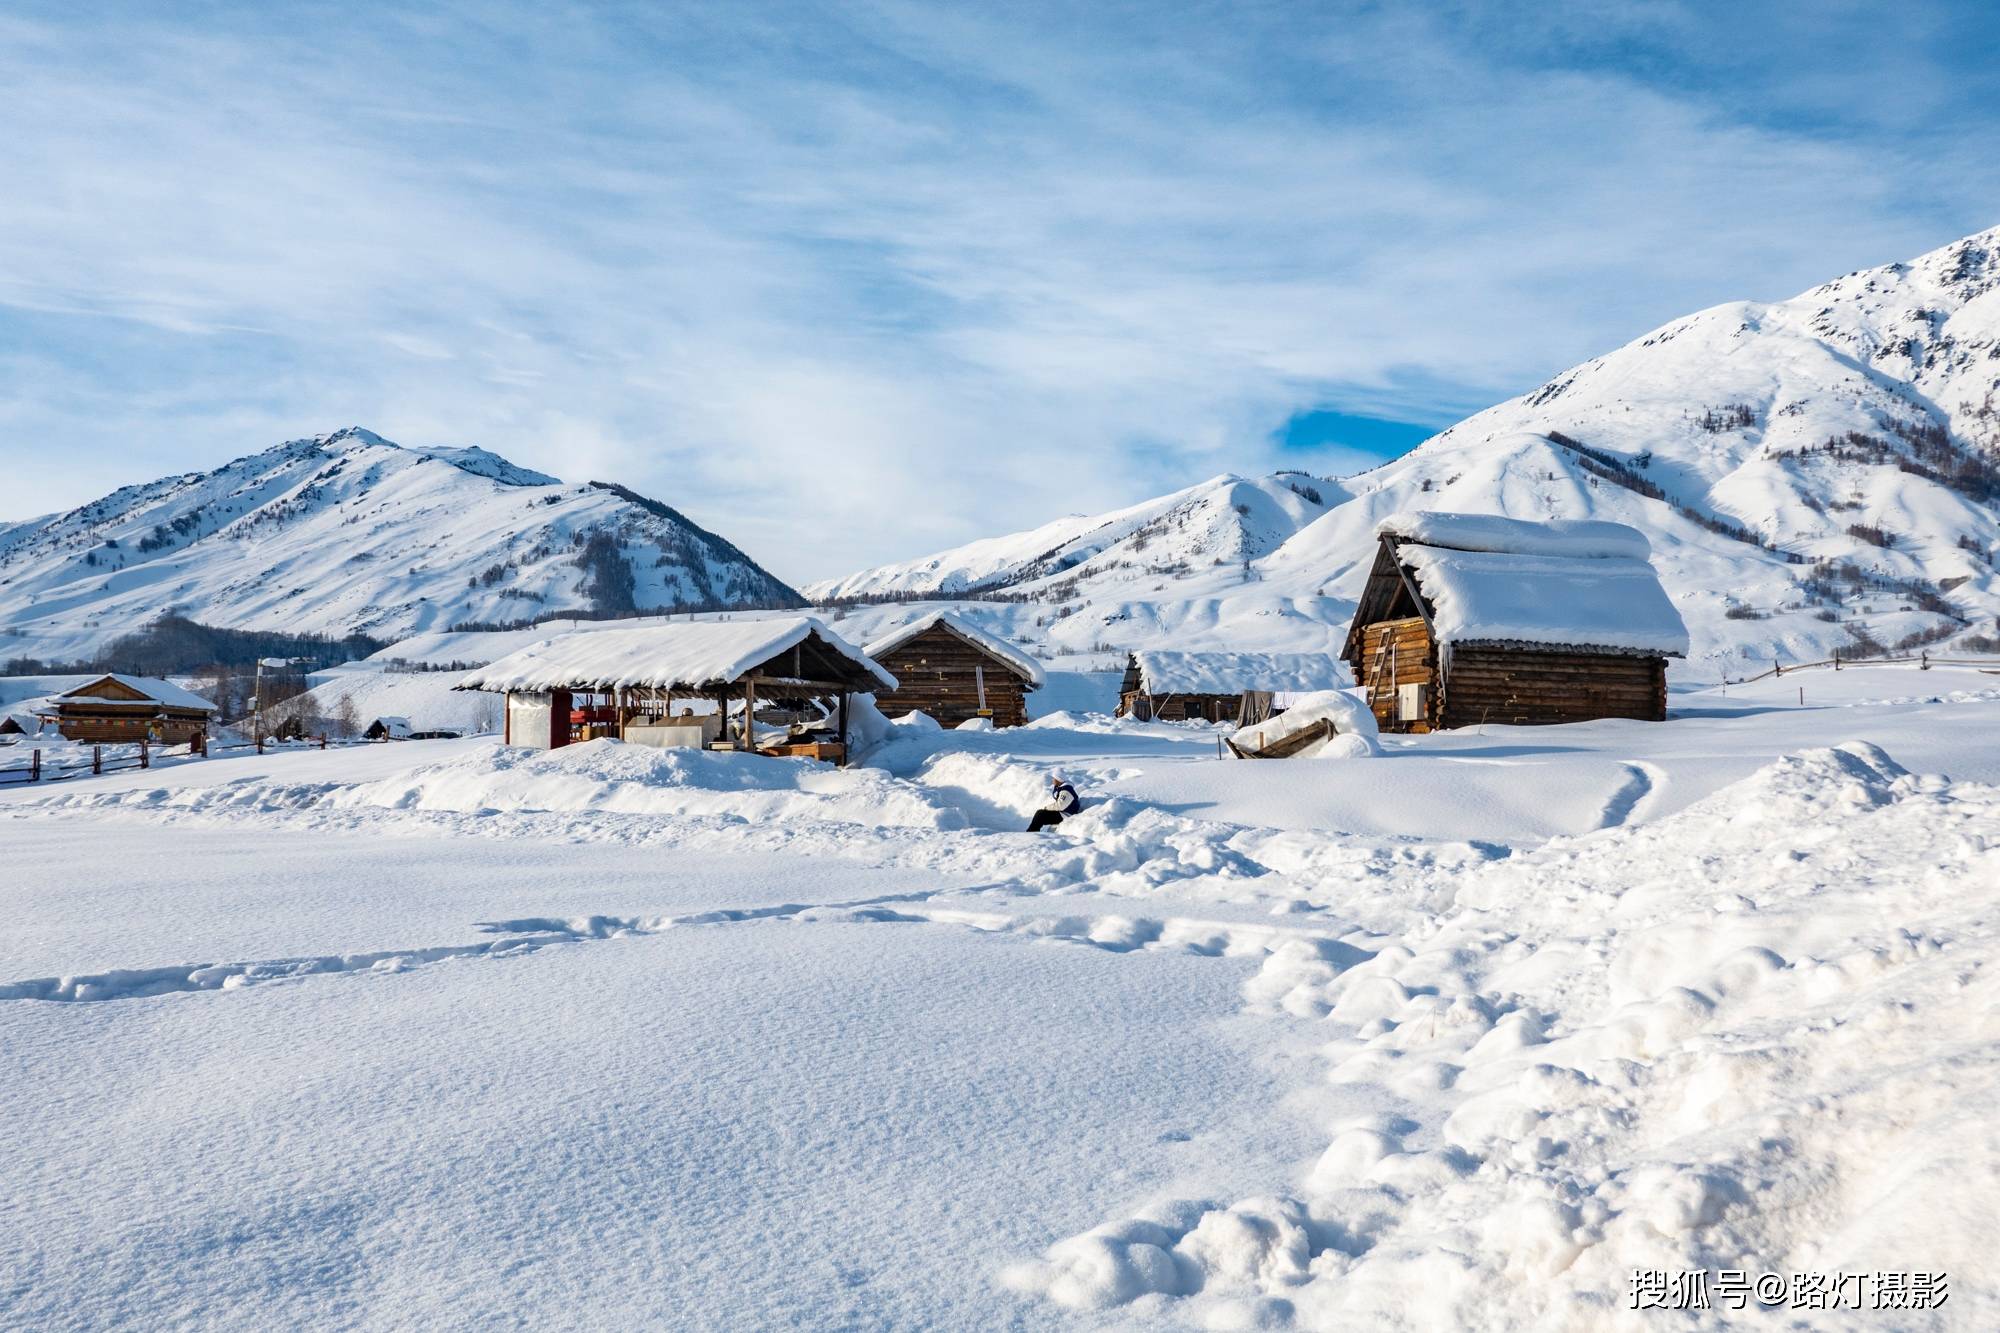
{"points": [[610, 776], [1329, 724]]}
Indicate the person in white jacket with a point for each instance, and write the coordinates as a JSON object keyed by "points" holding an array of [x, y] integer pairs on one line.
{"points": [[1062, 804]]}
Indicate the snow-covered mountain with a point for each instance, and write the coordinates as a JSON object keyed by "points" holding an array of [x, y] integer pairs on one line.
{"points": [[1814, 474], [350, 532]]}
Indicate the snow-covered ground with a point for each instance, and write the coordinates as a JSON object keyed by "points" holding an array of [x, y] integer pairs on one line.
{"points": [[1461, 1036]]}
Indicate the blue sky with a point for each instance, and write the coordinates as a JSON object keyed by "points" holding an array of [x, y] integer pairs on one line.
{"points": [[923, 272]]}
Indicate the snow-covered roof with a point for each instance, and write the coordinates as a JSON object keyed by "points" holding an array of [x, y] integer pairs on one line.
{"points": [[1021, 663], [1488, 597], [1233, 673], [155, 689], [24, 715], [692, 655], [1573, 538]]}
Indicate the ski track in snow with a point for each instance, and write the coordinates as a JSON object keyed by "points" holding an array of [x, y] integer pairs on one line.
{"points": [[526, 935], [1624, 805]]}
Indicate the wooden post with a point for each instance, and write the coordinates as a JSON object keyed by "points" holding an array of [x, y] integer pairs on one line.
{"points": [[97, 759], [145, 755], [843, 727], [260, 742], [748, 737], [34, 765]]}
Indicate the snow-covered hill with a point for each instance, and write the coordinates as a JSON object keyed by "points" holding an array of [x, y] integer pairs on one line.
{"points": [[1814, 474], [350, 532]]}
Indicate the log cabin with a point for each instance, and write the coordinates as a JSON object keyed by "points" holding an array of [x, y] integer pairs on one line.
{"points": [[18, 722], [117, 708], [954, 672], [673, 686], [1471, 618], [1221, 687]]}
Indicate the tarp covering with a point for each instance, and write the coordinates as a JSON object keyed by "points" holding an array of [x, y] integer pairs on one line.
{"points": [[1233, 673], [700, 654], [1023, 665]]}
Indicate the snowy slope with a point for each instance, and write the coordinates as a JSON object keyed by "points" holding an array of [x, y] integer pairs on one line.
{"points": [[425, 698], [349, 531], [1461, 1036], [1768, 450], [1223, 520]]}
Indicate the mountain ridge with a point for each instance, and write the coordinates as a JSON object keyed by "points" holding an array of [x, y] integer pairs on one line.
{"points": [[350, 532], [1816, 474]]}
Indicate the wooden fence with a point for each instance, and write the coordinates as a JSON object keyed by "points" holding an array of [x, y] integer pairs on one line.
{"points": [[35, 770], [1924, 662]]}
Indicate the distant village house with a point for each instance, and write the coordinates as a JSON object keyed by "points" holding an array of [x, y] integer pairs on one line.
{"points": [[120, 708], [954, 672], [1471, 618]]}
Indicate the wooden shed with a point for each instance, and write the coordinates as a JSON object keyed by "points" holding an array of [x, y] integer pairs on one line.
{"points": [[1221, 687], [1471, 618], [953, 671], [119, 708], [675, 686]]}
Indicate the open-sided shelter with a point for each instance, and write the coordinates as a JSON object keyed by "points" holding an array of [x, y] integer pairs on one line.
{"points": [[638, 684], [1470, 618], [1221, 687], [953, 671], [120, 708]]}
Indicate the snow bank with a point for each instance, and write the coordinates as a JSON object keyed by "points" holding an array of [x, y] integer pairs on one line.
{"points": [[1565, 538], [610, 776], [1354, 726], [1479, 597], [1755, 1035], [691, 654]]}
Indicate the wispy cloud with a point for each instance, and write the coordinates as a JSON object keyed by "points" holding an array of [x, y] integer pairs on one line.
{"points": [[848, 283]]}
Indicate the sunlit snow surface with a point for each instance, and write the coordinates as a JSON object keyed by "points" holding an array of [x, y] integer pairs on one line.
{"points": [[1457, 1036]]}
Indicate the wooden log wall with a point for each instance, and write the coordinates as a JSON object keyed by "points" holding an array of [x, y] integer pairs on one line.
{"points": [[935, 675], [1181, 707], [1517, 686], [1394, 653], [112, 728]]}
